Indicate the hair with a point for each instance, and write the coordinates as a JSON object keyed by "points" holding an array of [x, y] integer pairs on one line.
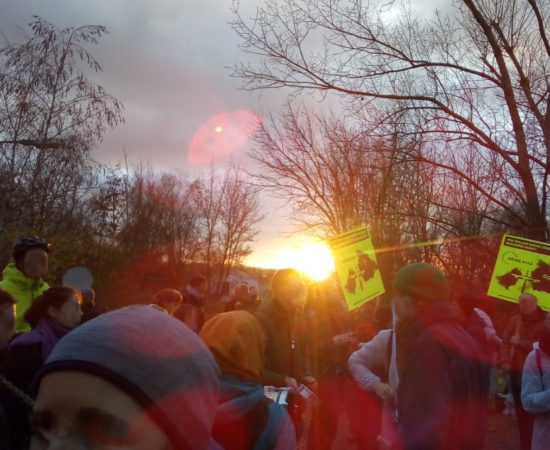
{"points": [[196, 280], [88, 297], [240, 288], [281, 278], [54, 296], [166, 296], [6, 298], [530, 294]]}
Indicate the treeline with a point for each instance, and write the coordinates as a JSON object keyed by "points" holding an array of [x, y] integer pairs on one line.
{"points": [[135, 229], [439, 135]]}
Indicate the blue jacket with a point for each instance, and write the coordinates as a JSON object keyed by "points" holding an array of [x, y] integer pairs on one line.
{"points": [[247, 420], [535, 396]]}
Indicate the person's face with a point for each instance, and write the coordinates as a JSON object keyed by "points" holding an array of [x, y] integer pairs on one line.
{"points": [[7, 325], [404, 306], [76, 410], [69, 313], [294, 294], [35, 263], [527, 304], [202, 288], [241, 292]]}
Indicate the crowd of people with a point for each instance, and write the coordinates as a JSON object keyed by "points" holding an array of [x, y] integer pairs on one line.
{"points": [[416, 372]]}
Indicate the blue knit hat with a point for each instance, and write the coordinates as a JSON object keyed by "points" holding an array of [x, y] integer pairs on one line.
{"points": [[422, 281], [155, 359]]}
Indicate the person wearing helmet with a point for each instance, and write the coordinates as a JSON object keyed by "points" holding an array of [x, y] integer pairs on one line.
{"points": [[23, 278]]}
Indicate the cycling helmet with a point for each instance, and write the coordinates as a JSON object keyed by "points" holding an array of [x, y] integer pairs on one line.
{"points": [[28, 242]]}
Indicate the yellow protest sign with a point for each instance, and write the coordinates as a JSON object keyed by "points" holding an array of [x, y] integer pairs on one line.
{"points": [[356, 266], [522, 265]]}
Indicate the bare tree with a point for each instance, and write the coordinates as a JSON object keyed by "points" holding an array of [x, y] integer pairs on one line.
{"points": [[229, 213], [51, 115], [473, 81]]}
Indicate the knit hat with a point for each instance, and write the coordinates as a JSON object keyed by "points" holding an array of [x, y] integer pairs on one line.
{"points": [[422, 281], [156, 360]]}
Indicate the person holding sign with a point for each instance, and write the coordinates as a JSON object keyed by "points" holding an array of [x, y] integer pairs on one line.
{"points": [[519, 336]]}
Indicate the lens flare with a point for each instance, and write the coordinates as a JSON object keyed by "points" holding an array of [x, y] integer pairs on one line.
{"points": [[222, 135]]}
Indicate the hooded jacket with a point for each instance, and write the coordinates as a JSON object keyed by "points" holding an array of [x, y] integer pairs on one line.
{"points": [[245, 418], [24, 288], [535, 390], [443, 383]]}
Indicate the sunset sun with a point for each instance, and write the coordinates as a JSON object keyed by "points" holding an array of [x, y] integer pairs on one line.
{"points": [[314, 261]]}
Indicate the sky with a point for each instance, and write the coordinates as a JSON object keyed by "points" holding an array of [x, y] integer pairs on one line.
{"points": [[169, 61]]}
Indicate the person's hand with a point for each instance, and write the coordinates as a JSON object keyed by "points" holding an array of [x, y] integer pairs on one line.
{"points": [[310, 382], [343, 339], [383, 390], [291, 383]]}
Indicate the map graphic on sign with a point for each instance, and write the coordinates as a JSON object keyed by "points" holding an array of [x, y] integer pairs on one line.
{"points": [[522, 265], [356, 266]]}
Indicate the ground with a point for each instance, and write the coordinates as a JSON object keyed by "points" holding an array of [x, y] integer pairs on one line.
{"points": [[502, 434]]}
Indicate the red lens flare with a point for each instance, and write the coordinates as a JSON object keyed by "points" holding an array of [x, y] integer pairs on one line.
{"points": [[222, 135]]}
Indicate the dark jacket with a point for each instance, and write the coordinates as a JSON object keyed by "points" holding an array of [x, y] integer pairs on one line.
{"points": [[528, 328], [27, 353], [193, 299], [442, 394], [282, 351]]}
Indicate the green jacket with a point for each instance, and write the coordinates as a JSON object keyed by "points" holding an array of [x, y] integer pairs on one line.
{"points": [[24, 289]]}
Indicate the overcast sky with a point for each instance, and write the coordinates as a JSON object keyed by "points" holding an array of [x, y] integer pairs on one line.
{"points": [[167, 61]]}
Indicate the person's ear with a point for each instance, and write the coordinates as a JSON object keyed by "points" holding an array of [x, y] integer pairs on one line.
{"points": [[52, 311]]}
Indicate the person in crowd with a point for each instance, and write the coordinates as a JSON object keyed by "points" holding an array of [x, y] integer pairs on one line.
{"points": [[240, 293], [466, 314], [189, 315], [323, 329], [88, 305], [134, 378], [373, 367], [246, 419], [194, 295], [285, 362], [51, 316], [168, 299], [251, 302], [442, 390], [7, 320], [535, 388], [7, 329], [520, 334], [24, 277]]}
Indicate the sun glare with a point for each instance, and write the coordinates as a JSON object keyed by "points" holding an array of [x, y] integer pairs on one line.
{"points": [[314, 261]]}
